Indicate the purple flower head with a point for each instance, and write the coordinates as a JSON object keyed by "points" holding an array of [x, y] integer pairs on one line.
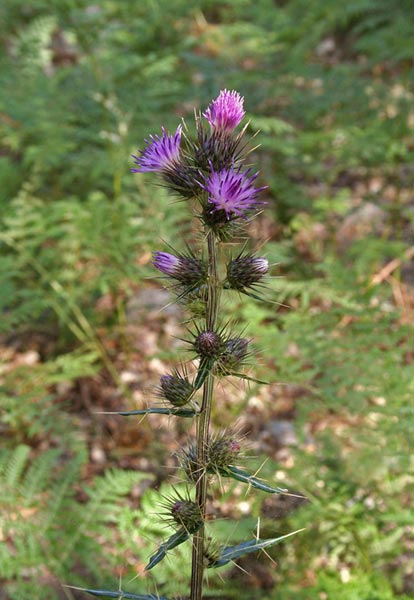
{"points": [[161, 153], [226, 111], [167, 263], [232, 191], [187, 269]]}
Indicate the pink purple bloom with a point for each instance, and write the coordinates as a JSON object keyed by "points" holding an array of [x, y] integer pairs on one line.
{"points": [[161, 153], [232, 191], [167, 263], [226, 111], [188, 270]]}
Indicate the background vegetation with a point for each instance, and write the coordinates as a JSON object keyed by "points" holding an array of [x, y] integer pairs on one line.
{"points": [[331, 89]]}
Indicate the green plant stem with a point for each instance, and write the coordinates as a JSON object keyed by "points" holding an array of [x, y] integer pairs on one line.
{"points": [[203, 422]]}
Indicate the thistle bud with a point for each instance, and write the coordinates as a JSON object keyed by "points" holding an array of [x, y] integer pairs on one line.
{"points": [[211, 552], [222, 452], [186, 514], [189, 464], [209, 344], [188, 270], [245, 271], [234, 354], [176, 389]]}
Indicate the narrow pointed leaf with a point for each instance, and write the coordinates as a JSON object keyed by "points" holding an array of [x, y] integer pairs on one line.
{"points": [[245, 477], [120, 594], [247, 377], [177, 412], [175, 540], [254, 296], [205, 366], [231, 553]]}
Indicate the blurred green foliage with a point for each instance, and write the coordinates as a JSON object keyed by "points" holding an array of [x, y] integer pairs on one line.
{"points": [[331, 89]]}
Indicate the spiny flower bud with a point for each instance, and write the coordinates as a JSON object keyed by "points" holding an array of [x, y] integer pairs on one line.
{"points": [[222, 452], [245, 271], [186, 514], [211, 552], [189, 464], [209, 344], [176, 389], [188, 270], [234, 354]]}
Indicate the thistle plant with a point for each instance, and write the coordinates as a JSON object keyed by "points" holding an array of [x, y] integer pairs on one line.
{"points": [[207, 171]]}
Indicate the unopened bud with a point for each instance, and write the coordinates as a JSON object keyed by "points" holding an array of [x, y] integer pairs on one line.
{"points": [[187, 515], [209, 344], [189, 464], [233, 356], [176, 389], [245, 271], [222, 452], [211, 552]]}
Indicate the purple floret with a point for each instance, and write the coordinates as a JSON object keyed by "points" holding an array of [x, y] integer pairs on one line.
{"points": [[232, 191], [161, 153], [226, 111], [167, 263]]}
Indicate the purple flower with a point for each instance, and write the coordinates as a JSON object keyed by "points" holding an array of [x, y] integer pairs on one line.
{"points": [[161, 153], [232, 191], [188, 270], [167, 263], [226, 111]]}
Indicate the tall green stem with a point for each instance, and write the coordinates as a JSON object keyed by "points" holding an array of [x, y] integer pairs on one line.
{"points": [[203, 422]]}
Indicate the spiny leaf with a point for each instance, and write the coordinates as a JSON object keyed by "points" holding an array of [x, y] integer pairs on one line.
{"points": [[248, 378], [245, 477], [175, 540], [231, 553], [177, 412], [118, 594]]}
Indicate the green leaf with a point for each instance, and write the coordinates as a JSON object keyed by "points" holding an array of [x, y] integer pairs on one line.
{"points": [[119, 594], [231, 553], [175, 540], [245, 477], [177, 412], [247, 378]]}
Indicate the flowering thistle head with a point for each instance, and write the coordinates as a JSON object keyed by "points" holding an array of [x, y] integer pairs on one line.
{"points": [[176, 389], [231, 194], [233, 356], [162, 153], [245, 271], [225, 112], [187, 269], [222, 452]]}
